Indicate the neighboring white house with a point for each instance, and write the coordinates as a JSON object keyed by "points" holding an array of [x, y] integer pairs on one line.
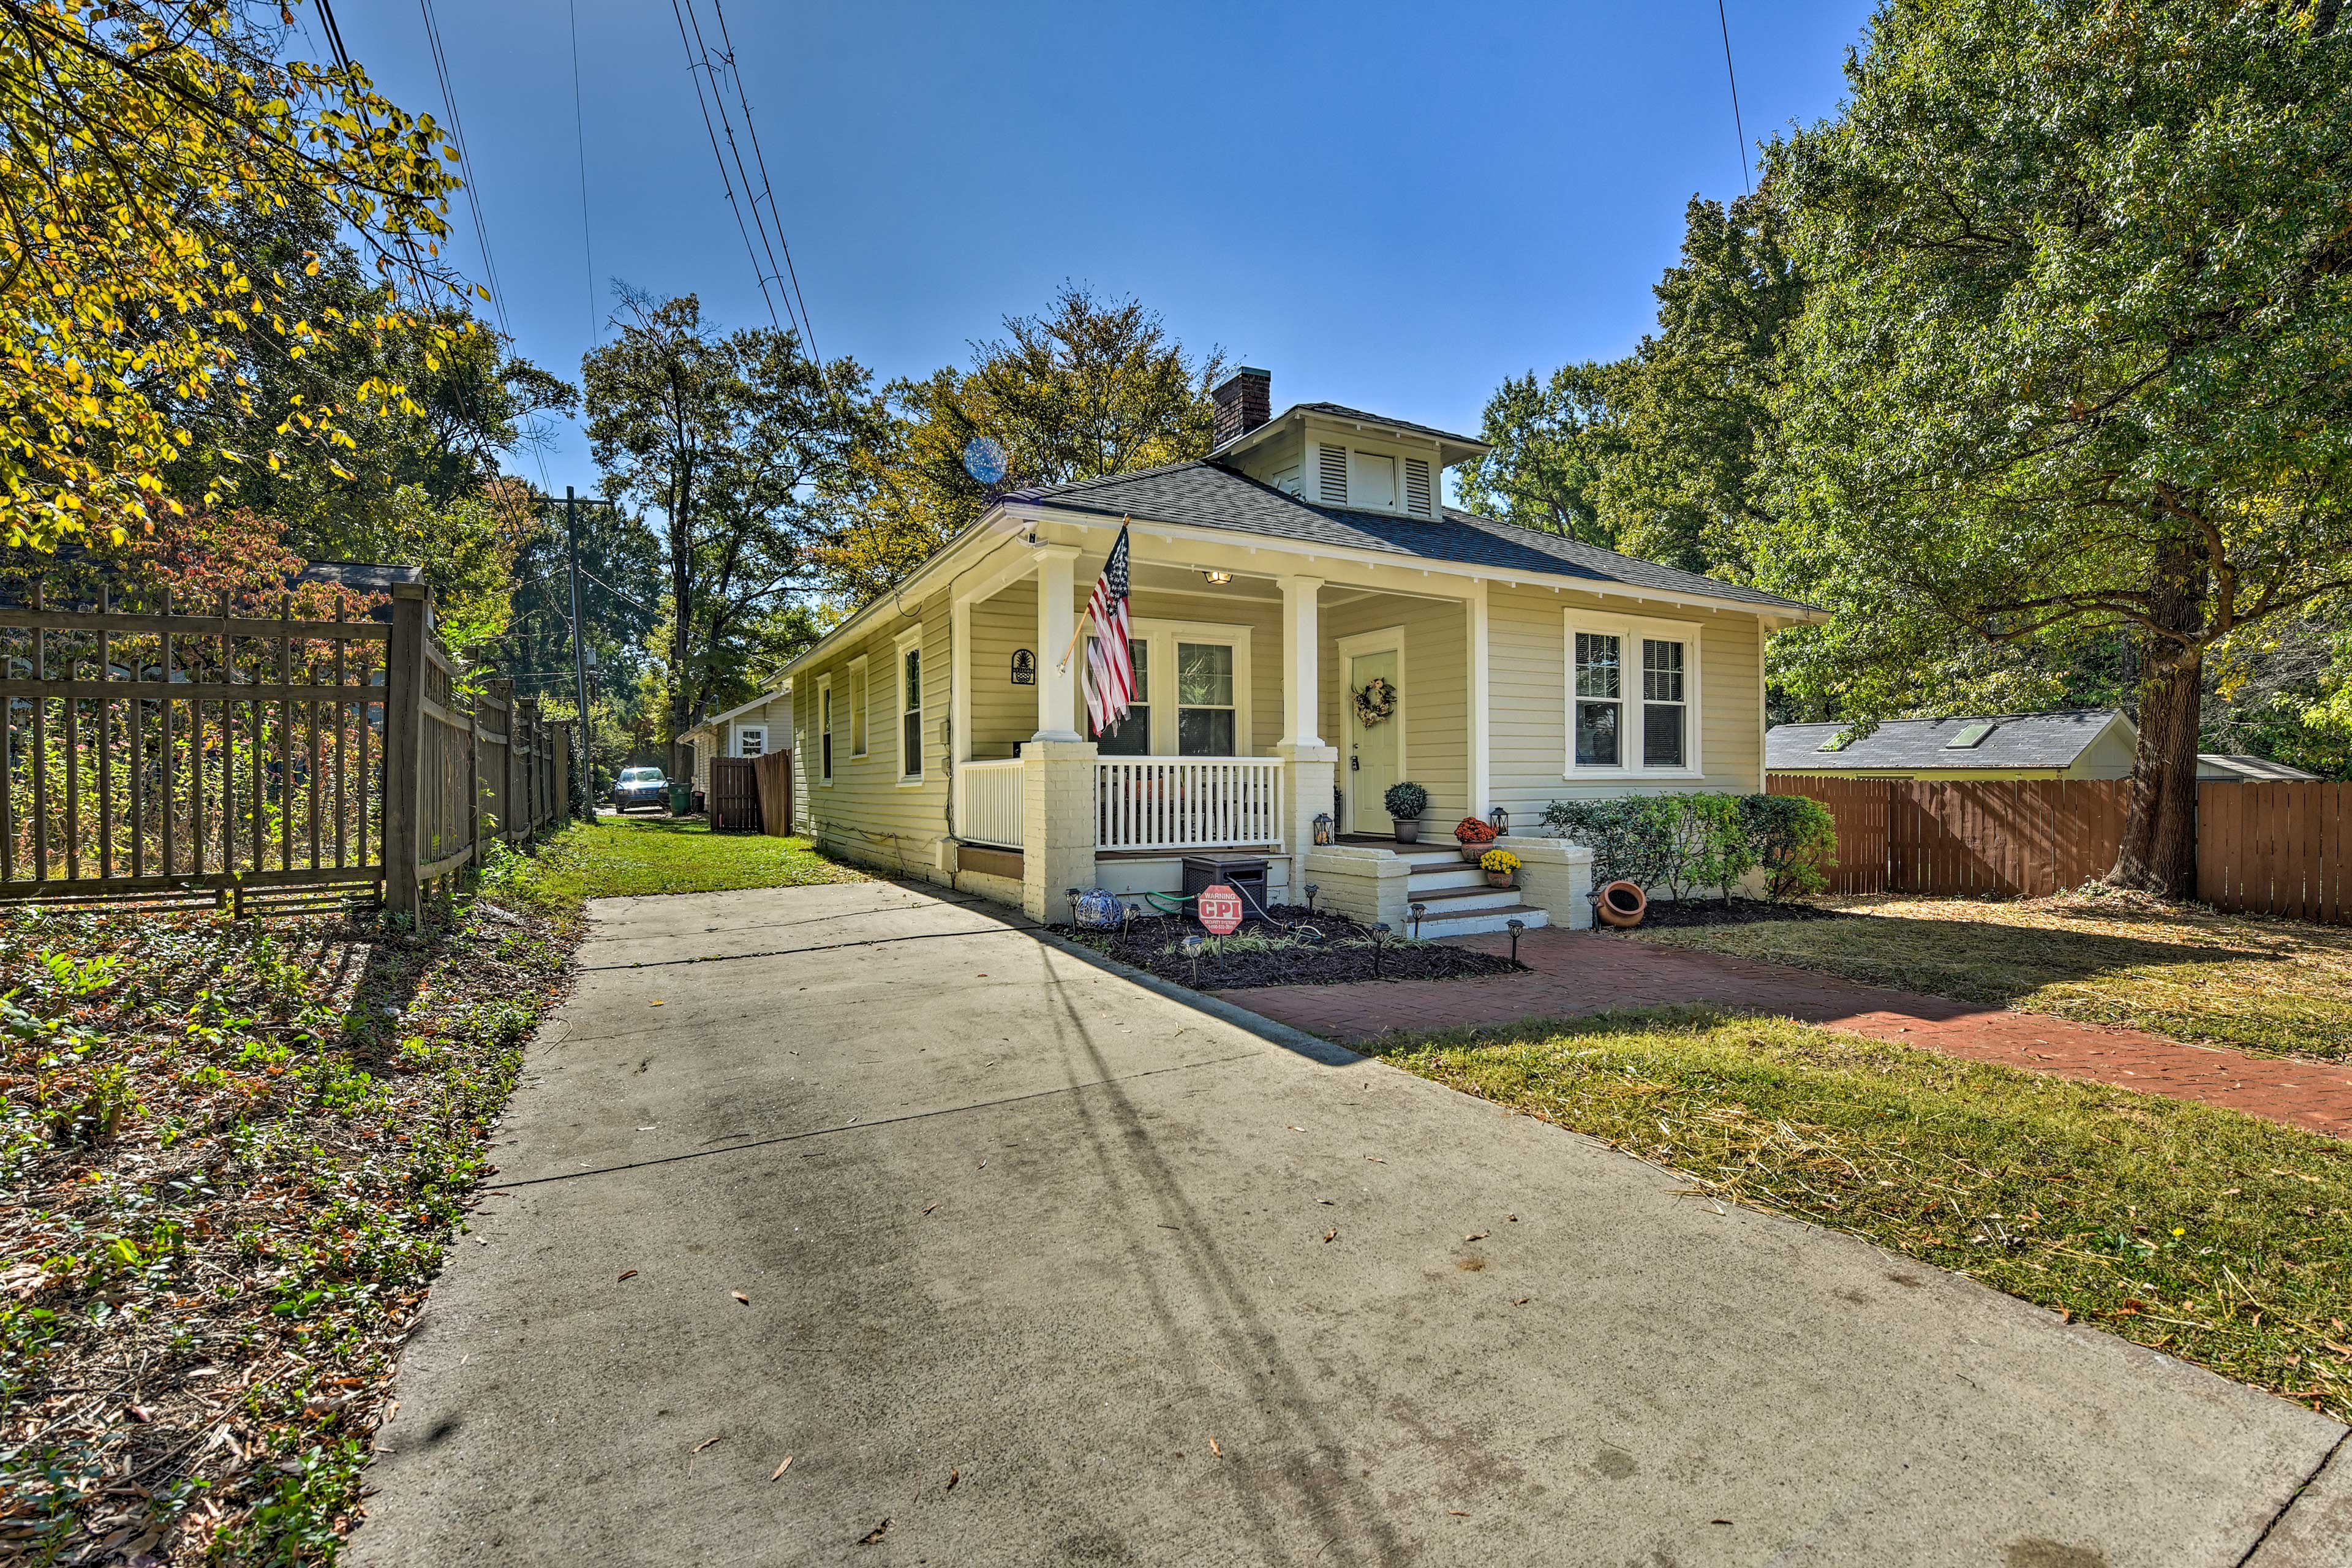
{"points": [[941, 734], [748, 729]]}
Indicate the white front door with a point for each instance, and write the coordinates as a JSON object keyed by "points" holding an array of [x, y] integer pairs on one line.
{"points": [[1375, 750]]}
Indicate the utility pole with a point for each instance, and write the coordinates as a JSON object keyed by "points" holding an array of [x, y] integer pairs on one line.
{"points": [[579, 644]]}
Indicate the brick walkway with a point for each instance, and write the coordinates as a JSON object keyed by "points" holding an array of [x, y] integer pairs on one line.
{"points": [[1576, 973]]}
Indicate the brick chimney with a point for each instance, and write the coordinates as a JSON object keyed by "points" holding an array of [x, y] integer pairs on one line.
{"points": [[1244, 401]]}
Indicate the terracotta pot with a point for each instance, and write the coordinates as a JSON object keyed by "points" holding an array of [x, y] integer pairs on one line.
{"points": [[1408, 830], [1622, 903], [1500, 879], [1472, 852]]}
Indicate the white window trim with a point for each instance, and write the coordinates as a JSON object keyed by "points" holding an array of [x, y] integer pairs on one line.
{"points": [[825, 755], [1161, 638], [912, 639], [859, 676], [1631, 630], [744, 730]]}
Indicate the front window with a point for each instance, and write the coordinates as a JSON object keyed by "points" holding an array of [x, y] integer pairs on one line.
{"points": [[1204, 699], [1131, 736], [1664, 709], [1599, 699], [911, 717]]}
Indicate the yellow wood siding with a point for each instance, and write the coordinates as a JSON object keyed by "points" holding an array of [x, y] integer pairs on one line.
{"points": [[867, 814], [1528, 681], [1434, 692]]}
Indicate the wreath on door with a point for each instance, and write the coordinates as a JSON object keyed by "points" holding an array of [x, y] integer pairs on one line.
{"points": [[1376, 701]]}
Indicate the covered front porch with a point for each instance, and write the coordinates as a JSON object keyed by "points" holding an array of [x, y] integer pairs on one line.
{"points": [[1243, 734]]}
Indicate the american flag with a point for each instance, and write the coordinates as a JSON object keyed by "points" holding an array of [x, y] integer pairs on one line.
{"points": [[1110, 672]]}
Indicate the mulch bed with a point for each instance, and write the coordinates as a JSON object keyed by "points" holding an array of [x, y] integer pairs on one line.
{"points": [[1295, 948], [1737, 912]]}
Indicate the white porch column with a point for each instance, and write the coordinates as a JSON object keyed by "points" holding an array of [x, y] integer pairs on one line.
{"points": [[1057, 712], [1481, 709], [1309, 766], [1300, 645]]}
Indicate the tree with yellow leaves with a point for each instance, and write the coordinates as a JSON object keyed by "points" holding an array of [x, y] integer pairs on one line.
{"points": [[136, 138]]}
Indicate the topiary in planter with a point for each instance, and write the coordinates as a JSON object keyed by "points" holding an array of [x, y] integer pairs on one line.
{"points": [[1406, 802]]}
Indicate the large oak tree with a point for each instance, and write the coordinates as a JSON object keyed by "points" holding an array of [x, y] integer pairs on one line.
{"points": [[2072, 360]]}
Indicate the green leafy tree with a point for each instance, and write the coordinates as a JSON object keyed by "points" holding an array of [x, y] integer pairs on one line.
{"points": [[745, 447], [2071, 363], [1095, 387], [1551, 442], [136, 139]]}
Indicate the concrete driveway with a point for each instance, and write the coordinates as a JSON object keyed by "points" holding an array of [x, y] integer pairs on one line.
{"points": [[1037, 1272]]}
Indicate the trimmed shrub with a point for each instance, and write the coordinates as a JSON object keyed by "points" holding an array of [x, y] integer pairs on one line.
{"points": [[1795, 840], [1405, 800], [1682, 842]]}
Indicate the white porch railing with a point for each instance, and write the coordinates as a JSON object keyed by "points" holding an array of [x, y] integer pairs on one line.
{"points": [[1187, 802], [989, 806]]}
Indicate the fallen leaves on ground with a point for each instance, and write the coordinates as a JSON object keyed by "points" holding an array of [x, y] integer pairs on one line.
{"points": [[874, 1536]]}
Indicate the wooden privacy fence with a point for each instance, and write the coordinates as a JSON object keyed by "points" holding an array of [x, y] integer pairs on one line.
{"points": [[2283, 848], [734, 800], [774, 770], [160, 754]]}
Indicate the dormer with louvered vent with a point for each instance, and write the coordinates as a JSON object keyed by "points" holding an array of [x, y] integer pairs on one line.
{"points": [[1344, 458]]}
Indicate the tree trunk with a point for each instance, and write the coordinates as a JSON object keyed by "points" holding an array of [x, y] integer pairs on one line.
{"points": [[2158, 852]]}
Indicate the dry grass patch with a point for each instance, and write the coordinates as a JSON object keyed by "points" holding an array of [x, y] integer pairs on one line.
{"points": [[2213, 1236], [2273, 987]]}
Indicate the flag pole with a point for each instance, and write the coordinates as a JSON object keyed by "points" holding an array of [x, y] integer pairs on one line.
{"points": [[1080, 629]]}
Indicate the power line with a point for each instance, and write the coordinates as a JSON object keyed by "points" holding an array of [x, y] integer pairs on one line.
{"points": [[580, 137], [1738, 128], [725, 76], [808, 327]]}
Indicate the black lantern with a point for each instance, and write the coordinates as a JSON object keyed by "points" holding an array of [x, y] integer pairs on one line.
{"points": [[1322, 827], [1501, 821]]}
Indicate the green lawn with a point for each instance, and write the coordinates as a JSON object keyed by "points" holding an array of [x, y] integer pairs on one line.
{"points": [[619, 856], [2272, 987], [2213, 1236]]}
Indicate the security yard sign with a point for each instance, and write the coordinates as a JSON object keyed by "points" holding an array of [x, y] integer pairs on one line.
{"points": [[1219, 908]]}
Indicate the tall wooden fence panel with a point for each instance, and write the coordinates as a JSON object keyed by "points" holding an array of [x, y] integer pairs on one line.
{"points": [[774, 772], [734, 794], [1859, 808], [2283, 848], [155, 753]]}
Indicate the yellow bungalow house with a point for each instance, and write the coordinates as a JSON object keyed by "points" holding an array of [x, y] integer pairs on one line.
{"points": [[938, 732]]}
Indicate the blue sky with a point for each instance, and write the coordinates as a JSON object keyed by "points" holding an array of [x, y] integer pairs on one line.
{"points": [[1385, 206]]}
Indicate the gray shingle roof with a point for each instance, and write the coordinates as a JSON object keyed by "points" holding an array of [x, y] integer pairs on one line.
{"points": [[1210, 495], [2017, 741], [2234, 764], [1341, 411]]}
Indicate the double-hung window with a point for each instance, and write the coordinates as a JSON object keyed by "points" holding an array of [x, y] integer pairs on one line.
{"points": [[1131, 736], [858, 707], [910, 708], [751, 739], [824, 732], [1204, 699], [1632, 696], [1600, 699], [1665, 712]]}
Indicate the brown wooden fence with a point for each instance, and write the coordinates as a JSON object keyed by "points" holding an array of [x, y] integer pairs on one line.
{"points": [[774, 773], [734, 800], [2270, 848], [158, 754]]}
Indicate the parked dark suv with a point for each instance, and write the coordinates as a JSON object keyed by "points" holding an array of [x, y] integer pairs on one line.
{"points": [[640, 786]]}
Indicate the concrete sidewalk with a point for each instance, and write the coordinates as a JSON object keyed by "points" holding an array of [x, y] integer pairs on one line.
{"points": [[1037, 1270]]}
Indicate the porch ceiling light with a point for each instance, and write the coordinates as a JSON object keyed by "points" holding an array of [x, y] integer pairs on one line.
{"points": [[1218, 579]]}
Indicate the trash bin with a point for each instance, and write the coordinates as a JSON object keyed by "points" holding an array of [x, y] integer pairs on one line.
{"points": [[681, 798]]}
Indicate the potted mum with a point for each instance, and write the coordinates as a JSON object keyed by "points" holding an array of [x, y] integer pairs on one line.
{"points": [[1405, 802], [1474, 833], [1500, 866]]}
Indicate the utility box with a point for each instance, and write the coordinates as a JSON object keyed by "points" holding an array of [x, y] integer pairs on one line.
{"points": [[1245, 874]]}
